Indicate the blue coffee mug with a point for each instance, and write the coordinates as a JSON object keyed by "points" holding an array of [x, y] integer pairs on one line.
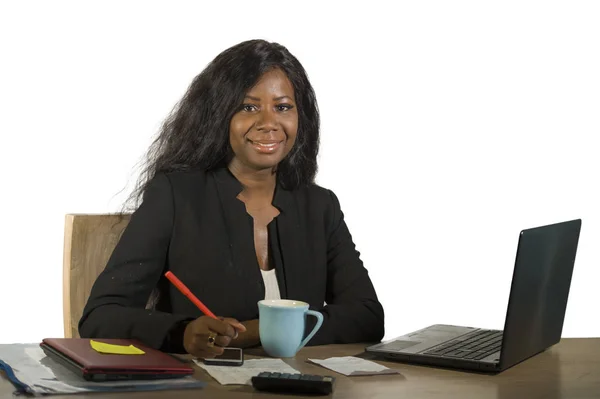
{"points": [[281, 326]]}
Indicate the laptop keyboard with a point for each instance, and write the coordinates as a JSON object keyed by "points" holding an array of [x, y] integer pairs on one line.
{"points": [[474, 347]]}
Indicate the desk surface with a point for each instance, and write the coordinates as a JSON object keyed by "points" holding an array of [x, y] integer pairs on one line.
{"points": [[570, 369]]}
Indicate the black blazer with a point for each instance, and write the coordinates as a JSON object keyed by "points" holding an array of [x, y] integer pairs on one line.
{"points": [[192, 224]]}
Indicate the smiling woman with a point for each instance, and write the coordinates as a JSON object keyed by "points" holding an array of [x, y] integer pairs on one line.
{"points": [[227, 202], [263, 132]]}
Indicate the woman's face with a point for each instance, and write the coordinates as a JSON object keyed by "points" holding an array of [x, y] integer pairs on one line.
{"points": [[264, 130]]}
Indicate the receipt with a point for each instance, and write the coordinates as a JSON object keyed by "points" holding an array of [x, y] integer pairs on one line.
{"points": [[242, 375], [350, 365]]}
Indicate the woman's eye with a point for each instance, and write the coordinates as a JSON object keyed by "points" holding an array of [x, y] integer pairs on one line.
{"points": [[248, 107], [284, 107]]}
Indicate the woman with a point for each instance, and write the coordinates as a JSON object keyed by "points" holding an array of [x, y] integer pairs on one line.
{"points": [[229, 205]]}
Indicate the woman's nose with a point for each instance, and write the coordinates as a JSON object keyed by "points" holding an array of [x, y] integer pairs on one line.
{"points": [[267, 121]]}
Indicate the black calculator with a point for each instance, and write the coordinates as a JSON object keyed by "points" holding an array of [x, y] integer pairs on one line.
{"points": [[293, 383]]}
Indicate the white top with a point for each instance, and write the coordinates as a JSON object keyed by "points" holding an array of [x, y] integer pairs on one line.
{"points": [[271, 285]]}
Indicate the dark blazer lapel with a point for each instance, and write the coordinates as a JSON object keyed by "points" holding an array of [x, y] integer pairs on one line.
{"points": [[239, 225], [291, 228]]}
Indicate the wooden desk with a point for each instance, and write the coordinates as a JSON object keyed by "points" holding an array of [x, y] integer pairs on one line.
{"points": [[570, 369]]}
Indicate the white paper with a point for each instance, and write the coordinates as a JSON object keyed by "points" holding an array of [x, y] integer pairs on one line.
{"points": [[242, 375], [350, 365]]}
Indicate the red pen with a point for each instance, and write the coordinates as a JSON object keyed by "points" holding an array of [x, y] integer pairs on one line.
{"points": [[186, 291]]}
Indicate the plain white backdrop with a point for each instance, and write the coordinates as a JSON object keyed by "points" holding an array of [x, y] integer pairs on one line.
{"points": [[447, 127]]}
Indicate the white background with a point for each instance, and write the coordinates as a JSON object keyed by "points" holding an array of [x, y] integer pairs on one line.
{"points": [[447, 127]]}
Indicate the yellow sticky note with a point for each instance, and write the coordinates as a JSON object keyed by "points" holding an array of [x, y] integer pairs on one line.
{"points": [[115, 349]]}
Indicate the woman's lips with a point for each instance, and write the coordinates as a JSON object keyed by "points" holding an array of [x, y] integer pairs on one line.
{"points": [[265, 146]]}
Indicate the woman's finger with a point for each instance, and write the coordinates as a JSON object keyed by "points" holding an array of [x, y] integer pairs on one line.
{"points": [[222, 340], [235, 324], [221, 327], [239, 327]]}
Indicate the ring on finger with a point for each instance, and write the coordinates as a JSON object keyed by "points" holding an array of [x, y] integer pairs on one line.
{"points": [[212, 336]]}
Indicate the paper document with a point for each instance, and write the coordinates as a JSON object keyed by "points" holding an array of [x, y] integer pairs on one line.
{"points": [[242, 375], [350, 365]]}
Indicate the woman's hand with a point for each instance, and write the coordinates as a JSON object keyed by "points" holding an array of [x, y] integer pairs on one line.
{"points": [[249, 338], [205, 337]]}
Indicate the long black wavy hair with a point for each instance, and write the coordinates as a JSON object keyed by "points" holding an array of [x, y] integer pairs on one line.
{"points": [[196, 133]]}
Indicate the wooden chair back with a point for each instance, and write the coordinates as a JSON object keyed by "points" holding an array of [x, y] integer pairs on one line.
{"points": [[89, 243]]}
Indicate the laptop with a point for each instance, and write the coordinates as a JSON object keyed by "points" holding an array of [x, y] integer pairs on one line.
{"points": [[77, 355], [534, 319]]}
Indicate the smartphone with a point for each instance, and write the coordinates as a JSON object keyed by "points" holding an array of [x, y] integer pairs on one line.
{"points": [[230, 357]]}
